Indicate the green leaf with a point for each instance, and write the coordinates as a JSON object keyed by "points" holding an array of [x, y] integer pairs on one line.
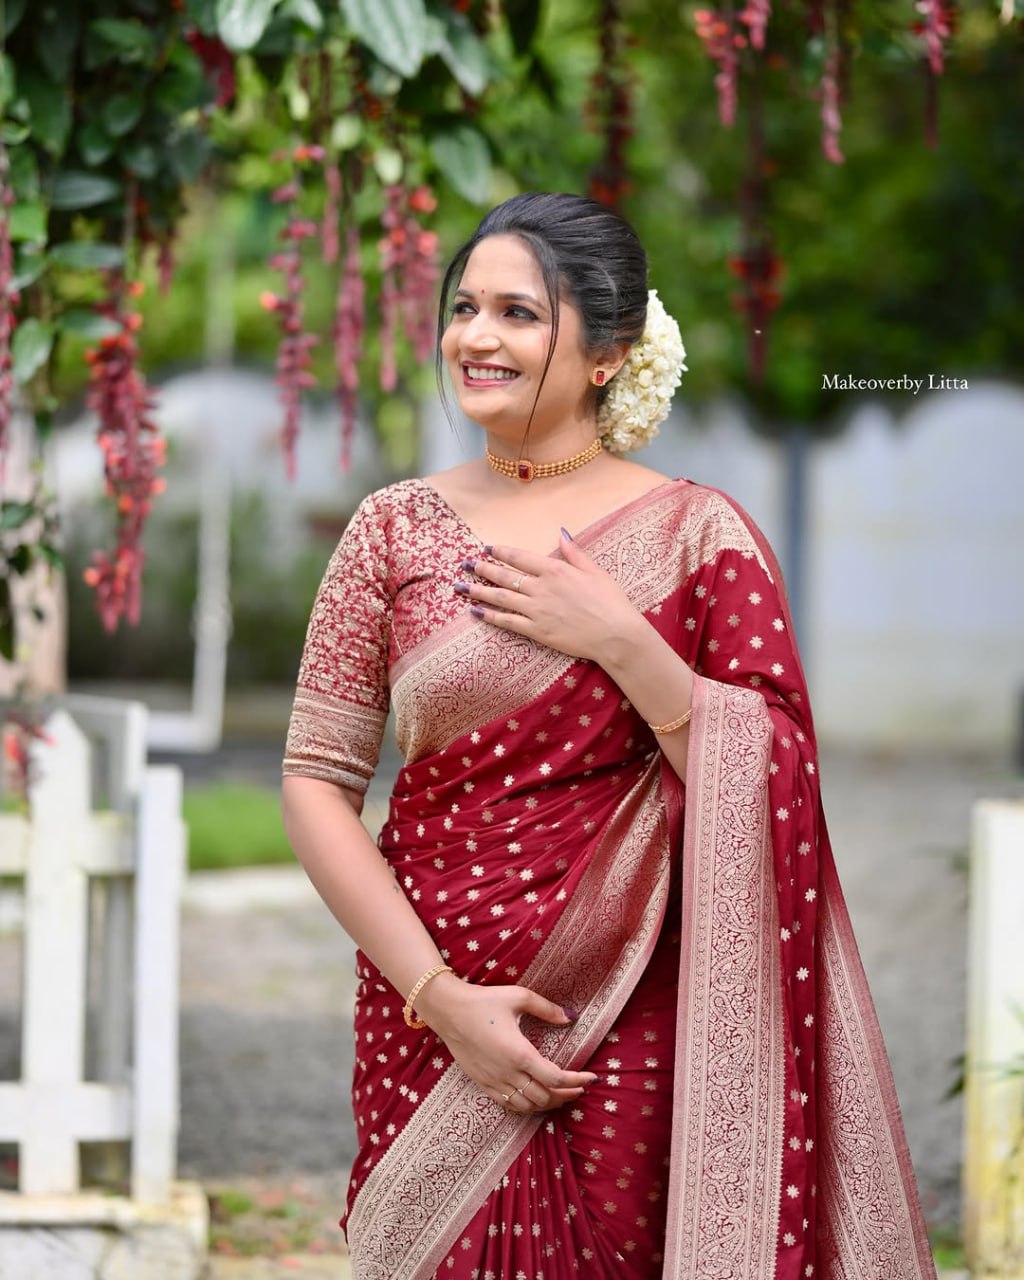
{"points": [[347, 132], [240, 23], [49, 108], [463, 52], [30, 347], [14, 11], [13, 135], [7, 81], [29, 265], [389, 165], [84, 323], [14, 514], [56, 35], [395, 31], [28, 222], [131, 39], [121, 113], [52, 555], [95, 145], [76, 189], [189, 153], [142, 159], [182, 86], [24, 174], [305, 11], [462, 155], [87, 255]]}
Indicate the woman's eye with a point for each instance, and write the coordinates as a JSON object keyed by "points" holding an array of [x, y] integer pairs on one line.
{"points": [[461, 309], [521, 313]]}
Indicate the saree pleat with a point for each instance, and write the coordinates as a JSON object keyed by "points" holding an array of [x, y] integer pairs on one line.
{"points": [[744, 1126]]}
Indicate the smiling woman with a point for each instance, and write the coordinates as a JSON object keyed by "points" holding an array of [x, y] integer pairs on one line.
{"points": [[611, 1020]]}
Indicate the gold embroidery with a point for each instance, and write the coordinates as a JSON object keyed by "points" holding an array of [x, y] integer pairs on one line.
{"points": [[869, 1224], [438, 1171], [727, 1129], [333, 740], [468, 672]]}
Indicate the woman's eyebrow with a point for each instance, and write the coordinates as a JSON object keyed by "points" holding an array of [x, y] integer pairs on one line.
{"points": [[503, 297]]}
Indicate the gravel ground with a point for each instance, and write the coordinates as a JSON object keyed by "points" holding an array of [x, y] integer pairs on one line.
{"points": [[267, 995]]}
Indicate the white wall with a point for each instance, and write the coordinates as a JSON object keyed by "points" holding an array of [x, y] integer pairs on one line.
{"points": [[914, 592], [916, 573]]}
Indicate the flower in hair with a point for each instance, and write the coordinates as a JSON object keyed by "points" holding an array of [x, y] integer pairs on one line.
{"points": [[640, 394]]}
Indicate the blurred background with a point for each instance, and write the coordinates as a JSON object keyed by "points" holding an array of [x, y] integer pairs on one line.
{"points": [[831, 195]]}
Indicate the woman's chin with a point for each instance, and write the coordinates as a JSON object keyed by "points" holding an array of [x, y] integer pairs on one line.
{"points": [[489, 415]]}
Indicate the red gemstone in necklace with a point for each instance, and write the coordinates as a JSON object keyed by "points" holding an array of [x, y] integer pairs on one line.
{"points": [[524, 469]]}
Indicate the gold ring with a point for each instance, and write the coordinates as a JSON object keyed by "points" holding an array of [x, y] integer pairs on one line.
{"points": [[507, 1097], [518, 583]]}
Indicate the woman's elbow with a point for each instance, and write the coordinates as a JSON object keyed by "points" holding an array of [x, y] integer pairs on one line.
{"points": [[303, 798]]}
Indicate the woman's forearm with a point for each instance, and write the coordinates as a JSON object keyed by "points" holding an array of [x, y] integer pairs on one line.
{"points": [[657, 682], [348, 871]]}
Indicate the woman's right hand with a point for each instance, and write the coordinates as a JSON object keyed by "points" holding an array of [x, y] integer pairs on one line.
{"points": [[480, 1026]]}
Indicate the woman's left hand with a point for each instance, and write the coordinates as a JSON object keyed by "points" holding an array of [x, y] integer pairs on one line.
{"points": [[568, 604]]}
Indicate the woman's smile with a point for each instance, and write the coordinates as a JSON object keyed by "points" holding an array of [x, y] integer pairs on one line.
{"points": [[475, 374]]}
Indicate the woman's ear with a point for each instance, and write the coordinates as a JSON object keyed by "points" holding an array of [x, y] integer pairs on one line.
{"points": [[607, 363]]}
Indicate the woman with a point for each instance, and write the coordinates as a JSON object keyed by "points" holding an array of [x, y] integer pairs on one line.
{"points": [[611, 1021]]}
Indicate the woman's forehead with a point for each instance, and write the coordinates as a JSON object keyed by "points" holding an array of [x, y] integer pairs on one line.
{"points": [[499, 262]]}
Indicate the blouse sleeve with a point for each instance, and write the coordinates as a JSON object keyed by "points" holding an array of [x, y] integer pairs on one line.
{"points": [[341, 702]]}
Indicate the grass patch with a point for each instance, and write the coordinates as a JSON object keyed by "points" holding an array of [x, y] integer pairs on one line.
{"points": [[234, 825], [947, 1250], [269, 1218]]}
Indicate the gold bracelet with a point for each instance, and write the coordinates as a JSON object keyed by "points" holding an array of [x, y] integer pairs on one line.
{"points": [[673, 724], [407, 1013]]}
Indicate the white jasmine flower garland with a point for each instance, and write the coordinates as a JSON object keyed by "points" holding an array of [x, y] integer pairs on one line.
{"points": [[640, 394]]}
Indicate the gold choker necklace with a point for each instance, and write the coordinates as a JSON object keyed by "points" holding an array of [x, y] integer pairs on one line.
{"points": [[524, 469]]}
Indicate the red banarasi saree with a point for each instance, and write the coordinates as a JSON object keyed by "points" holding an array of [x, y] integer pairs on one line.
{"points": [[745, 1124]]}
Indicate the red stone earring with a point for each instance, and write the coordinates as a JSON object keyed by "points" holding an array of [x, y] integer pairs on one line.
{"points": [[598, 377]]}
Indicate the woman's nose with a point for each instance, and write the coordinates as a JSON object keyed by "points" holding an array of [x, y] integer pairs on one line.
{"points": [[479, 335]]}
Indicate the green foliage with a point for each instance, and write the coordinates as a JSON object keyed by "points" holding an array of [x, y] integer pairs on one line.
{"points": [[107, 111], [234, 825], [395, 31], [905, 259]]}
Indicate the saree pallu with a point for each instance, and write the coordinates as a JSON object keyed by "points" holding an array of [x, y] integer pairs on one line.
{"points": [[745, 1124]]}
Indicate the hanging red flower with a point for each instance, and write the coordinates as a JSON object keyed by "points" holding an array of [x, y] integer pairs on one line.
{"points": [[133, 452], [294, 358]]}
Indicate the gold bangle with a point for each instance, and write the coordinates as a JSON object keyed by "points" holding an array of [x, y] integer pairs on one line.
{"points": [[407, 1013], [673, 724]]}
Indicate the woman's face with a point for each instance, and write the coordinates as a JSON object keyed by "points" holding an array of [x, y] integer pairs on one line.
{"points": [[496, 343]]}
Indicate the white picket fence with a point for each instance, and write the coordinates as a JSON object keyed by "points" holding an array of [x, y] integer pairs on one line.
{"points": [[104, 852]]}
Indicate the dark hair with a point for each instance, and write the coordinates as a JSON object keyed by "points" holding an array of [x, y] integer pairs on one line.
{"points": [[585, 252]]}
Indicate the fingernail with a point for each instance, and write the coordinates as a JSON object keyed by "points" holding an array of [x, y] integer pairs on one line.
{"points": [[476, 611], [462, 588], [488, 551], [571, 1012], [469, 565], [567, 535], [599, 1080]]}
